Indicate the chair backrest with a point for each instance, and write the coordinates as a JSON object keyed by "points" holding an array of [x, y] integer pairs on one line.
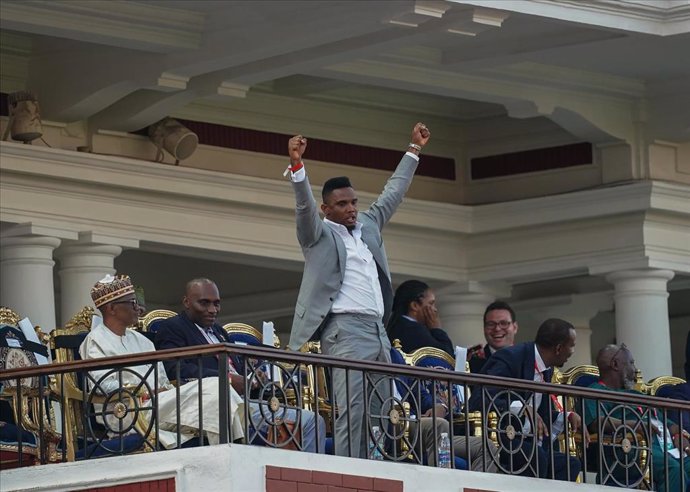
{"points": [[659, 385], [435, 358], [8, 317], [15, 349], [149, 323], [397, 346], [243, 333], [582, 375], [14, 354], [65, 343], [317, 383], [24, 407]]}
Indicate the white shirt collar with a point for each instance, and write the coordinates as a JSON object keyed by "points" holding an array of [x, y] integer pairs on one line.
{"points": [[541, 367], [341, 229]]}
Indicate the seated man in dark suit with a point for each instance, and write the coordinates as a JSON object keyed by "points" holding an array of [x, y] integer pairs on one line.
{"points": [[196, 325], [500, 327], [678, 392], [532, 361], [414, 319]]}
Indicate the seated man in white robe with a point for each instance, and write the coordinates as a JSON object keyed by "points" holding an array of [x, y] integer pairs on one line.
{"points": [[115, 298]]}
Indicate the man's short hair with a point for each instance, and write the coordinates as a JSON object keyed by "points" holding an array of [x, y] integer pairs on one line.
{"points": [[500, 305], [334, 184], [552, 332]]}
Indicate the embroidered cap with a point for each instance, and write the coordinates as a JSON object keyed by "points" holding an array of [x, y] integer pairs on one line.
{"points": [[111, 288]]}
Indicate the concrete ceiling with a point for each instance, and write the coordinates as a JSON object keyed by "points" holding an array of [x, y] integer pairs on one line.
{"points": [[124, 65]]}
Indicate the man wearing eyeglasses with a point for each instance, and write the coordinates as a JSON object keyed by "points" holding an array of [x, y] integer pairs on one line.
{"points": [[530, 422], [500, 327], [617, 372]]}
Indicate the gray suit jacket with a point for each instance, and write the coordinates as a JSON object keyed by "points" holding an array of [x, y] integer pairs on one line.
{"points": [[325, 253]]}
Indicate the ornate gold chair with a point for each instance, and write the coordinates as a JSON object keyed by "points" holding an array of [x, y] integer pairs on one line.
{"points": [[406, 432], [655, 387], [434, 358], [315, 382], [84, 436], [243, 333], [149, 322], [25, 410], [616, 445]]}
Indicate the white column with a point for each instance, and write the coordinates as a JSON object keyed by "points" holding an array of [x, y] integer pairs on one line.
{"points": [[583, 346], [641, 299], [26, 283], [81, 266], [461, 310]]}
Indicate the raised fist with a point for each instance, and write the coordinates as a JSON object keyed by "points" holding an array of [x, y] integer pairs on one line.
{"points": [[420, 134], [296, 147]]}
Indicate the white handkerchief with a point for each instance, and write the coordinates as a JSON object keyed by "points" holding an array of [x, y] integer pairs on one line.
{"points": [[14, 343], [460, 358], [460, 366], [30, 334], [268, 332], [670, 448]]}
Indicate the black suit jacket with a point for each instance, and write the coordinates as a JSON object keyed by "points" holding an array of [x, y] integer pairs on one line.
{"points": [[516, 362], [687, 358], [414, 335], [477, 363], [178, 332]]}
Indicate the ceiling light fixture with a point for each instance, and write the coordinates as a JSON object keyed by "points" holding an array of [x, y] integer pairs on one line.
{"points": [[173, 136]]}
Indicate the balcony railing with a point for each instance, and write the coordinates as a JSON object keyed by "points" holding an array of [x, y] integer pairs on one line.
{"points": [[112, 406]]}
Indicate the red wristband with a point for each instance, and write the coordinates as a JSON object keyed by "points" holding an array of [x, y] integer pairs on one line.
{"points": [[296, 167]]}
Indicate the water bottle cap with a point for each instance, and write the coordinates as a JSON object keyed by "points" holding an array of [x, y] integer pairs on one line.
{"points": [[444, 434]]}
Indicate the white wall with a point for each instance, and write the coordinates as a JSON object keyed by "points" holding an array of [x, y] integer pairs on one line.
{"points": [[240, 468]]}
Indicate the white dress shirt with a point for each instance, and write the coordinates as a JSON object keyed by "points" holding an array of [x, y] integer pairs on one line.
{"points": [[208, 335], [212, 338], [360, 292], [535, 400]]}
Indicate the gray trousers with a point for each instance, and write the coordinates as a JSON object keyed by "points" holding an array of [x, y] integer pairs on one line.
{"points": [[360, 337]]}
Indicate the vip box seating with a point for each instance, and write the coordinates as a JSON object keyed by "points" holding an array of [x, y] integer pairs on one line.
{"points": [[95, 423]]}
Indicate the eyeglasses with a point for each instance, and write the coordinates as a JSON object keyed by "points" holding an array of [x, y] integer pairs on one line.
{"points": [[493, 324], [620, 348], [133, 302]]}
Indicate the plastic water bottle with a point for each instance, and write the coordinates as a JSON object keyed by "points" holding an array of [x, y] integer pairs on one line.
{"points": [[444, 451], [374, 451]]}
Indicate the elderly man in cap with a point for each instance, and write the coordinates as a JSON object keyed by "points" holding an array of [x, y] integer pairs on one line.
{"points": [[116, 299]]}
